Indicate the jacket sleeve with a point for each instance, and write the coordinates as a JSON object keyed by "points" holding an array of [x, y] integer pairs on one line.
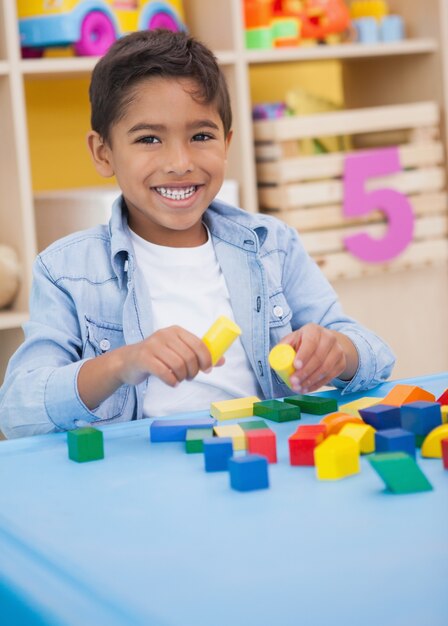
{"points": [[313, 299], [40, 394]]}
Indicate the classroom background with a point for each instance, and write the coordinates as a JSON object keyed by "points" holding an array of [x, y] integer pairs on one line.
{"points": [[340, 130]]}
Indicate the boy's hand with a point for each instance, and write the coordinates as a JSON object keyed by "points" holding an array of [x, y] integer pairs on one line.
{"points": [[172, 354], [321, 355]]}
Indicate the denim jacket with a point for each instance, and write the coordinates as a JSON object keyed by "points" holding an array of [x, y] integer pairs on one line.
{"points": [[89, 297]]}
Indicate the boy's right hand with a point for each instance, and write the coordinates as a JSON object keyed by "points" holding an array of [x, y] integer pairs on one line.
{"points": [[173, 354]]}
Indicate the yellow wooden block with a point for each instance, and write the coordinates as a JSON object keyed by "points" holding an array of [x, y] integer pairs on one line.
{"points": [[432, 445], [336, 457], [235, 432], [233, 409], [363, 434], [352, 408], [444, 411], [220, 337], [281, 359]]}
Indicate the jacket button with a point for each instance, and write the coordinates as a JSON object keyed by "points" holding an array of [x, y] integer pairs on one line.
{"points": [[104, 345], [278, 311]]}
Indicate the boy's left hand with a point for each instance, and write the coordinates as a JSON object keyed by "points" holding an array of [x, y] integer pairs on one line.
{"points": [[321, 355]]}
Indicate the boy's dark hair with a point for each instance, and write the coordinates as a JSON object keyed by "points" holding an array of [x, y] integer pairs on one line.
{"points": [[145, 54]]}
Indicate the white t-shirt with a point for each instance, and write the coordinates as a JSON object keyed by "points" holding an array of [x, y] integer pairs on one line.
{"points": [[187, 288]]}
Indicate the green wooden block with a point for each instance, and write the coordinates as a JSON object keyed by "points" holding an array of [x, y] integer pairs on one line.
{"points": [[195, 437], [85, 444], [400, 472], [313, 404], [276, 411], [253, 424]]}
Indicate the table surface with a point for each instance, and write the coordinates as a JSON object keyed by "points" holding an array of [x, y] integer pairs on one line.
{"points": [[147, 537]]}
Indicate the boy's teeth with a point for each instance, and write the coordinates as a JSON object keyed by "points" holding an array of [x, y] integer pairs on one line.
{"points": [[175, 193]]}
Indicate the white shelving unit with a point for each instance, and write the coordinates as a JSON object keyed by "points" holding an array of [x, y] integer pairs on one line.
{"points": [[408, 71]]}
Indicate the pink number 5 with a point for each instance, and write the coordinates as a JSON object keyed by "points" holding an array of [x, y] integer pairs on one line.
{"points": [[358, 201]]}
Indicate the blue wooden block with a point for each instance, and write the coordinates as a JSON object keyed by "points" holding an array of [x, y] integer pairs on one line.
{"points": [[395, 440], [382, 416], [217, 452], [176, 430], [421, 417], [249, 472], [367, 30], [392, 28]]}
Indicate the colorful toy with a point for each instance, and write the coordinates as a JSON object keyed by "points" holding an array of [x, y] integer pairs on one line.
{"points": [[194, 440], [277, 411], [363, 434], [335, 421], [91, 25], [253, 425], [403, 394], [420, 418], [262, 442], [353, 408], [248, 473], [233, 409], [176, 429], [303, 443], [444, 445], [220, 337], [281, 359], [314, 405], [336, 457], [443, 399], [432, 445], [400, 472], [382, 416], [85, 444], [395, 440], [234, 432], [217, 452], [372, 22]]}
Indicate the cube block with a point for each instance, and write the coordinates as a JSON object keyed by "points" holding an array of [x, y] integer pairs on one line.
{"points": [[421, 417], [314, 405], [303, 443], [353, 408], [176, 429], [363, 434], [432, 445], [233, 409], [249, 472], [217, 452], [400, 472], [395, 440], [253, 425], [85, 444], [382, 416], [277, 411], [195, 437], [235, 432], [336, 457], [262, 442]]}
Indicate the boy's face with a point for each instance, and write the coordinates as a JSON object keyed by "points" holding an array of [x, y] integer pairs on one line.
{"points": [[168, 154]]}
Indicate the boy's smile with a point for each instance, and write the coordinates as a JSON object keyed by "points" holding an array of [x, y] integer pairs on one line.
{"points": [[168, 153]]}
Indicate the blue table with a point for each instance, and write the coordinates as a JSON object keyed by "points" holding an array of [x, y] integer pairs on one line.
{"points": [[146, 537]]}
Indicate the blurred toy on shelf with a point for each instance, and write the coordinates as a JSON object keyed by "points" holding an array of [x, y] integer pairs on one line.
{"points": [[280, 23], [91, 26], [9, 275], [373, 23]]}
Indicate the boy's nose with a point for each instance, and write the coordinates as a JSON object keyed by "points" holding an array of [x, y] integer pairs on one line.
{"points": [[179, 161]]}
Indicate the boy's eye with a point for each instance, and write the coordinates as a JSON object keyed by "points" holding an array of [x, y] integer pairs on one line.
{"points": [[148, 139], [202, 137]]}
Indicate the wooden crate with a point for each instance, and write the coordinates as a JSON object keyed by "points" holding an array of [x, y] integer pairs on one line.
{"points": [[307, 191]]}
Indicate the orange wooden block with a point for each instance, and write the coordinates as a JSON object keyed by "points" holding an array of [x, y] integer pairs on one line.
{"points": [[403, 394], [335, 421]]}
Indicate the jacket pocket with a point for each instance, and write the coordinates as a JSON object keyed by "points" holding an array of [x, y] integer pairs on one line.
{"points": [[102, 337]]}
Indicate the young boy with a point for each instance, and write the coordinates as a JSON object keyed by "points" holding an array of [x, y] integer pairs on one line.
{"points": [[117, 311]]}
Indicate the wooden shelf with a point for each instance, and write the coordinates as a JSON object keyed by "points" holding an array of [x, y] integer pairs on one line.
{"points": [[342, 51], [12, 319], [59, 66]]}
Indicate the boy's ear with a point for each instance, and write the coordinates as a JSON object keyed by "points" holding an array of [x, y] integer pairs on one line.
{"points": [[101, 154], [228, 139]]}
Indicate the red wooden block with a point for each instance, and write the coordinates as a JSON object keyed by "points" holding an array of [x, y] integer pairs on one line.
{"points": [[303, 443], [312, 428], [443, 400], [445, 453], [262, 441]]}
